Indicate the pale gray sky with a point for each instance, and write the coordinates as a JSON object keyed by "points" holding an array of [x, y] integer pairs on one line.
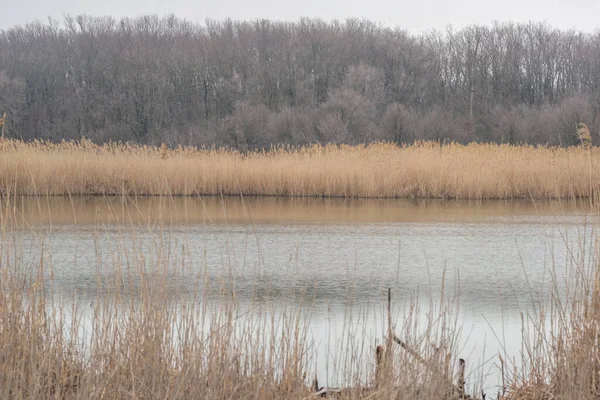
{"points": [[413, 15]]}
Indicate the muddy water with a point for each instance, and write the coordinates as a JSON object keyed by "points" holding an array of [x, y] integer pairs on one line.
{"points": [[495, 260]]}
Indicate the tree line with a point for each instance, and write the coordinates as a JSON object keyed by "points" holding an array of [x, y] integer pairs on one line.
{"points": [[250, 84]]}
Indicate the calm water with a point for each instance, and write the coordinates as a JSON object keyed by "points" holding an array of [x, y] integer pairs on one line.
{"points": [[496, 258]]}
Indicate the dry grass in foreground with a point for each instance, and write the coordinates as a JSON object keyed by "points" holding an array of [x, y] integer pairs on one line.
{"points": [[138, 341], [423, 170], [148, 349], [142, 338], [560, 357]]}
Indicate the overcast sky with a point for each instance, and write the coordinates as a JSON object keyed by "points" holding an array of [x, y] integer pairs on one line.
{"points": [[413, 15]]}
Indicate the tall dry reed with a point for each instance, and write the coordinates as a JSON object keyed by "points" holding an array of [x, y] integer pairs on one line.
{"points": [[138, 339], [560, 357], [423, 170], [135, 335]]}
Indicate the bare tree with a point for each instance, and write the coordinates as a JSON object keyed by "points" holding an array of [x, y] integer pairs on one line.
{"points": [[249, 84]]}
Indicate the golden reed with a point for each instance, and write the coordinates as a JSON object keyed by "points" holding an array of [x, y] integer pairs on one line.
{"points": [[382, 170]]}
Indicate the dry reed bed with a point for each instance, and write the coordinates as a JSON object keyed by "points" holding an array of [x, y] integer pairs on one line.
{"points": [[137, 342], [561, 345], [145, 346], [150, 350], [423, 170]]}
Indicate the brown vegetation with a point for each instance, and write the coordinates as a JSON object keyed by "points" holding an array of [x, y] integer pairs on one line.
{"points": [[423, 170], [140, 344], [561, 350], [136, 341], [583, 134]]}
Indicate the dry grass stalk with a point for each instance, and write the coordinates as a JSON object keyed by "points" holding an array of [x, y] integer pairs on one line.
{"points": [[142, 345], [583, 133], [146, 347], [561, 358], [424, 170]]}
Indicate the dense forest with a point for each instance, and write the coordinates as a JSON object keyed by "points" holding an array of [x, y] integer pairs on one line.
{"points": [[254, 83]]}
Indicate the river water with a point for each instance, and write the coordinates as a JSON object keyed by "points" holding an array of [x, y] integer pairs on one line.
{"points": [[494, 260]]}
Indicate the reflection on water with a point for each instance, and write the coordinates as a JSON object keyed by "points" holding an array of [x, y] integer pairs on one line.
{"points": [[497, 256], [197, 210]]}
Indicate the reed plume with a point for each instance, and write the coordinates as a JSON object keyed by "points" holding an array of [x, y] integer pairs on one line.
{"points": [[583, 133]]}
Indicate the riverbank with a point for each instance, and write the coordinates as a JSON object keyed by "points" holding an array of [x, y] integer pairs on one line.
{"points": [[423, 170]]}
